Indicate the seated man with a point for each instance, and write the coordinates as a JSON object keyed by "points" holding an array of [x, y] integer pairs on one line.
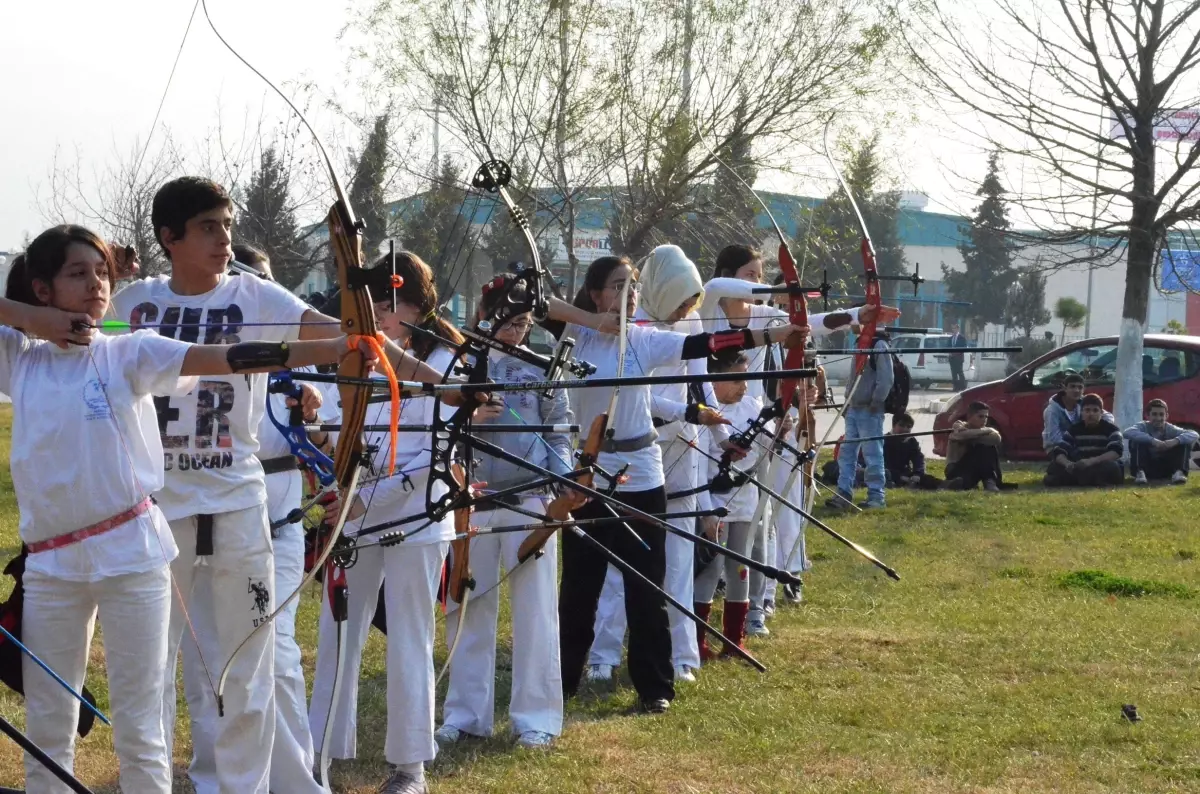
{"points": [[903, 459], [1090, 451], [973, 453], [1159, 449], [1062, 411]]}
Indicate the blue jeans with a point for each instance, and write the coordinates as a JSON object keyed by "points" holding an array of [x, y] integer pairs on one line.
{"points": [[861, 423]]}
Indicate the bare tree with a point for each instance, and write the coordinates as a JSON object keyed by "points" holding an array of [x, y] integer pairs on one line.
{"points": [[115, 201], [509, 79], [1084, 94]]}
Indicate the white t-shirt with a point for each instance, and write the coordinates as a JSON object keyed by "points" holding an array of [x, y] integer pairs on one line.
{"points": [[85, 447], [742, 500], [680, 463], [647, 349], [390, 498], [210, 435]]}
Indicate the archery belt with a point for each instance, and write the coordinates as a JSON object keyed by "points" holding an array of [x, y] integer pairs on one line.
{"points": [[499, 502], [204, 536], [107, 525], [630, 444], [280, 464]]}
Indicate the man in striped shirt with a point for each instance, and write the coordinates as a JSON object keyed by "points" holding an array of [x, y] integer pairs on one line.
{"points": [[1089, 453]]}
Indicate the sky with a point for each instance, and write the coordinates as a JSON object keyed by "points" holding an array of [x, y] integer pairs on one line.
{"points": [[83, 79], [86, 77]]}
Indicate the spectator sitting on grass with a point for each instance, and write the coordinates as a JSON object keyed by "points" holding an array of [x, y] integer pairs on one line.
{"points": [[1089, 453], [973, 454], [1159, 449], [1062, 411], [903, 459]]}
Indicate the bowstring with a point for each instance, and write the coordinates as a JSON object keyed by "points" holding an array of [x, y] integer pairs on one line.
{"points": [[157, 530]]}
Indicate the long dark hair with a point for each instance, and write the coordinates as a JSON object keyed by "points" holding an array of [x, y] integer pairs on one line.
{"points": [[419, 289], [732, 258], [46, 256], [597, 274]]}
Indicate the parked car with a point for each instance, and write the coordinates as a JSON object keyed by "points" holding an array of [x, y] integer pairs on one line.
{"points": [[1170, 366], [932, 364]]}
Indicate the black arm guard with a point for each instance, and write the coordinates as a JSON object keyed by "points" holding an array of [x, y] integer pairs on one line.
{"points": [[257, 355]]}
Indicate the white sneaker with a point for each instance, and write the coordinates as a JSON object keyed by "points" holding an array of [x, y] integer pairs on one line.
{"points": [[600, 672], [447, 735], [756, 627], [684, 673], [1178, 478], [769, 608], [1140, 478], [535, 740]]}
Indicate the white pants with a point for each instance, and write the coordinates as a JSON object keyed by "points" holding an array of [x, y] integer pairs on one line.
{"points": [[789, 523], [610, 612], [292, 752], [59, 618], [227, 594], [681, 558], [410, 576], [610, 621], [537, 693]]}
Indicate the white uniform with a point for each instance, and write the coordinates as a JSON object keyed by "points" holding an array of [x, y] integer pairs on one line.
{"points": [[537, 693], [409, 573], [292, 754], [210, 441], [74, 410], [681, 468]]}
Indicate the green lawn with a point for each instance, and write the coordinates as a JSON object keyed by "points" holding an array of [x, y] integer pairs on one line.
{"points": [[999, 663]]}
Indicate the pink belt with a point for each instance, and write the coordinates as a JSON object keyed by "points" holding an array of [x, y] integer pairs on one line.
{"points": [[107, 525]]}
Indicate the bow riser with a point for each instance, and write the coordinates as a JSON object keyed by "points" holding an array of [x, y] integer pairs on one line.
{"points": [[358, 317]]}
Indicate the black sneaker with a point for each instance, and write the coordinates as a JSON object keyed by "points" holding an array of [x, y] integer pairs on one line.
{"points": [[653, 706], [792, 593]]}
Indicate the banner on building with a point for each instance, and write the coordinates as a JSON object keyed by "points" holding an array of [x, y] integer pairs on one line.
{"points": [[1179, 271], [589, 246], [1171, 125]]}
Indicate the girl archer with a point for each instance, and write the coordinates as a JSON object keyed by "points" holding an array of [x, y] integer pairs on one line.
{"points": [[76, 398]]}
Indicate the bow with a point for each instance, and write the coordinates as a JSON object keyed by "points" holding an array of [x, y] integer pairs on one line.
{"points": [[459, 581], [310, 457], [357, 317], [523, 293], [868, 330]]}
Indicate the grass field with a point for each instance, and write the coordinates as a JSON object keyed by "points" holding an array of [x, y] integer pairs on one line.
{"points": [[998, 664]]}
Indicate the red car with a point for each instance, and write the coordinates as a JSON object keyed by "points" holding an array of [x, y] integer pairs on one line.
{"points": [[1170, 366]]}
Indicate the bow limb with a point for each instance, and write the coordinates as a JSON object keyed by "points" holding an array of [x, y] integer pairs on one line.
{"points": [[866, 337], [459, 582], [338, 595], [622, 346], [358, 317]]}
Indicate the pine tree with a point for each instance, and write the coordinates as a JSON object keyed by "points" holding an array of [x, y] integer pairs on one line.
{"points": [[268, 222], [366, 190], [1026, 305], [439, 230], [987, 254], [837, 238]]}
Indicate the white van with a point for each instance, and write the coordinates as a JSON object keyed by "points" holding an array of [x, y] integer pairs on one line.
{"points": [[932, 364]]}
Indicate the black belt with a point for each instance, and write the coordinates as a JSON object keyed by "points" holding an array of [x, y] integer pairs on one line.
{"points": [[280, 464], [496, 503]]}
